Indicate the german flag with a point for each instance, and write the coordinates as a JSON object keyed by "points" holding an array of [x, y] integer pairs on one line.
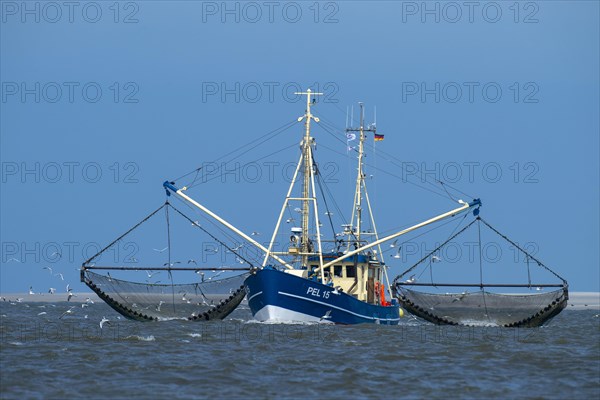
{"points": [[378, 138]]}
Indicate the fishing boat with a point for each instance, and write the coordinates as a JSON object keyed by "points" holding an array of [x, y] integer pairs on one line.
{"points": [[305, 278], [304, 283]]}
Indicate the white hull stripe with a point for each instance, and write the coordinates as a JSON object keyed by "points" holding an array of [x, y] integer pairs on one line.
{"points": [[279, 314], [337, 308], [254, 295]]}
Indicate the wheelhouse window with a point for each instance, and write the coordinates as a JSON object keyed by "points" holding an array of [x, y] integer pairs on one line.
{"points": [[337, 271], [350, 271]]}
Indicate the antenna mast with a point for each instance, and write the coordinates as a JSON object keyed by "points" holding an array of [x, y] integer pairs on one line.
{"points": [[305, 248], [357, 210]]}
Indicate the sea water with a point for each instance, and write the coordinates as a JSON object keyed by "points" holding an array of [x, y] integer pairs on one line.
{"points": [[43, 356]]}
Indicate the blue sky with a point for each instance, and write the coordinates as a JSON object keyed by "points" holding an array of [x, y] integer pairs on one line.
{"points": [[100, 104]]}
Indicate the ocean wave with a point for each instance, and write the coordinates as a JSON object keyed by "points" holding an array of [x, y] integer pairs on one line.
{"points": [[149, 338]]}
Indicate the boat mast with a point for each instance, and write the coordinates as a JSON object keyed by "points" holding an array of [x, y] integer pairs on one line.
{"points": [[305, 248], [357, 210]]}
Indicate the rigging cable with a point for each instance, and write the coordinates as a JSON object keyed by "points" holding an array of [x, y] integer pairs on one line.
{"points": [[246, 164], [211, 235], [277, 131], [523, 251], [390, 159], [123, 235], [169, 253]]}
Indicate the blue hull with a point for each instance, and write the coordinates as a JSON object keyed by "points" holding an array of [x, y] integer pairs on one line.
{"points": [[278, 296]]}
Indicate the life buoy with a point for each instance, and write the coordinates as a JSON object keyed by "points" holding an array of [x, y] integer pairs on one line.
{"points": [[382, 295]]}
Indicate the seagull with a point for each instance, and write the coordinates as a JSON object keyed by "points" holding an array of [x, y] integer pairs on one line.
{"points": [[70, 293], [43, 313], [84, 305], [196, 223], [462, 296], [435, 259], [89, 301], [69, 311], [62, 278], [52, 290], [49, 269], [56, 253], [335, 290], [160, 251], [397, 255], [171, 264], [412, 279], [215, 275], [151, 274], [326, 316], [159, 305], [328, 213], [184, 299], [298, 209], [394, 244], [104, 321], [539, 288], [19, 300], [13, 259], [240, 260], [289, 220], [192, 261], [211, 250], [31, 290], [255, 233], [238, 247]]}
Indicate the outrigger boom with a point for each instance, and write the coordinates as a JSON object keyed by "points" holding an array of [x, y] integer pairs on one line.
{"points": [[451, 213], [171, 186], [465, 206]]}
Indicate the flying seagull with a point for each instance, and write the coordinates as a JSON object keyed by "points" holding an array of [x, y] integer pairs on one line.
{"points": [[160, 251], [69, 311], [326, 316], [104, 321]]}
